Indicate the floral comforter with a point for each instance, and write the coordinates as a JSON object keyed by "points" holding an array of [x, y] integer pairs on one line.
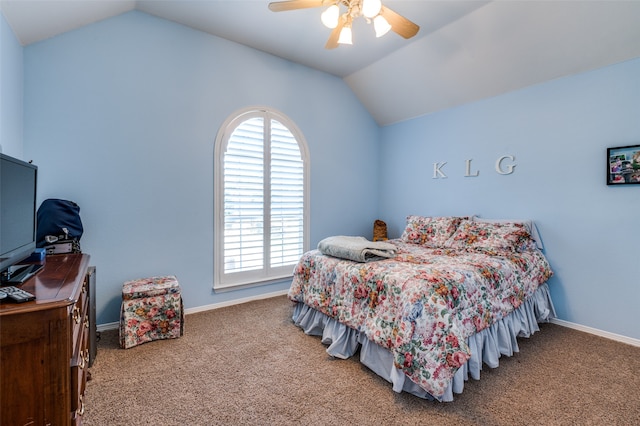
{"points": [[424, 303]]}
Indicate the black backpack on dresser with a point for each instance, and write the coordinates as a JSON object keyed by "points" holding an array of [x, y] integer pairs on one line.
{"points": [[59, 226]]}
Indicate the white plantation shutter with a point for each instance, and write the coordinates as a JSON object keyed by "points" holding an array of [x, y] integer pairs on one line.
{"points": [[287, 197], [261, 210], [244, 198]]}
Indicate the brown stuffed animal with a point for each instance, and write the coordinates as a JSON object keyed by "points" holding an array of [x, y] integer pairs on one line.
{"points": [[379, 231]]}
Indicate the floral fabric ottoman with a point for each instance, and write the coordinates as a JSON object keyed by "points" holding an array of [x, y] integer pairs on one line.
{"points": [[151, 310]]}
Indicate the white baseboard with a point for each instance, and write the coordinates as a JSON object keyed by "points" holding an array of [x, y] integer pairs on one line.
{"points": [[116, 325], [611, 336], [235, 302], [108, 326], [590, 330]]}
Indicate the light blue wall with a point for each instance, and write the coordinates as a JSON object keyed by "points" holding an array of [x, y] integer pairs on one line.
{"points": [[558, 131], [11, 74], [121, 117]]}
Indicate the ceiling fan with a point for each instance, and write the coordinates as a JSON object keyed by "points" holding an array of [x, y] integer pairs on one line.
{"points": [[383, 18]]}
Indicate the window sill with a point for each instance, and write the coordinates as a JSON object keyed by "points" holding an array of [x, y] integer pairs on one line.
{"points": [[222, 288]]}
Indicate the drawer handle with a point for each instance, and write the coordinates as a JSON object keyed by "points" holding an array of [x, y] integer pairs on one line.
{"points": [[76, 315], [86, 322], [86, 356], [80, 410], [82, 361]]}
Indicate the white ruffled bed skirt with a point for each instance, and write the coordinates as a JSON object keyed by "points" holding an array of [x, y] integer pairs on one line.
{"points": [[486, 346]]}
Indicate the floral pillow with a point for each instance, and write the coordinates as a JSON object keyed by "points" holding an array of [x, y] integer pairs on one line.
{"points": [[492, 236], [430, 232], [528, 224]]}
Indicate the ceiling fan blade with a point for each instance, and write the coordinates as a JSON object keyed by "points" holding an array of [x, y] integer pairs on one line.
{"points": [[281, 6], [399, 24], [332, 43]]}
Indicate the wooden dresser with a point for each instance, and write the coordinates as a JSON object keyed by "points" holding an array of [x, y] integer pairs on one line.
{"points": [[45, 350]]}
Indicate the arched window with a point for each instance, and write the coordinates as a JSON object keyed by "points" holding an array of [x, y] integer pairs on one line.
{"points": [[261, 208]]}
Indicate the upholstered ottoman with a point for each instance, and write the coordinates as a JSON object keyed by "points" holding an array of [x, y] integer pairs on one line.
{"points": [[151, 310]]}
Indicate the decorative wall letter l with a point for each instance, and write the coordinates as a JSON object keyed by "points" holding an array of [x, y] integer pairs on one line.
{"points": [[468, 173]]}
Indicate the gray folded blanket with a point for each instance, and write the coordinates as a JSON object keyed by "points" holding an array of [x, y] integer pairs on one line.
{"points": [[358, 249]]}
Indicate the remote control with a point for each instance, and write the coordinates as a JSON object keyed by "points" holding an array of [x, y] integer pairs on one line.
{"points": [[16, 294]]}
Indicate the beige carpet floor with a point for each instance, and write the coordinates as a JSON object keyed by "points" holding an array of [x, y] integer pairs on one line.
{"points": [[249, 365]]}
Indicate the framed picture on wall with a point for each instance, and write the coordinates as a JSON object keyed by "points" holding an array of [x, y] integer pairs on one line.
{"points": [[623, 165]]}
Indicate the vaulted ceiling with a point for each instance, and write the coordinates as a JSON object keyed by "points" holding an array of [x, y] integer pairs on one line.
{"points": [[464, 51]]}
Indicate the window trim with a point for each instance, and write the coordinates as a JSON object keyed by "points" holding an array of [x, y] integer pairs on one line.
{"points": [[249, 278]]}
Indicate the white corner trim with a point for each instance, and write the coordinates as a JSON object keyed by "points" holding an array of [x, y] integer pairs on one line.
{"points": [[611, 336]]}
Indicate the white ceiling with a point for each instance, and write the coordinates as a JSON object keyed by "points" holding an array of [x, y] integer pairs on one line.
{"points": [[464, 51]]}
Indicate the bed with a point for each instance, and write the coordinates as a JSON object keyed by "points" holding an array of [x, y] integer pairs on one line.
{"points": [[451, 294]]}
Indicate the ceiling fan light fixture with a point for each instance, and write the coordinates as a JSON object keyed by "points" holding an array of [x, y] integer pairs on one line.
{"points": [[345, 35], [383, 18], [371, 8], [381, 26], [330, 16]]}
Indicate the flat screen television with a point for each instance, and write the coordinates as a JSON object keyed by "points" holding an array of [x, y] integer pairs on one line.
{"points": [[18, 185]]}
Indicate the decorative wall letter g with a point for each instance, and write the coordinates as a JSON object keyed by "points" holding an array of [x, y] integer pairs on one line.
{"points": [[510, 167]]}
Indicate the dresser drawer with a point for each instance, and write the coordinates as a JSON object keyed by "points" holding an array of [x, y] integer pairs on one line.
{"points": [[79, 367], [79, 314]]}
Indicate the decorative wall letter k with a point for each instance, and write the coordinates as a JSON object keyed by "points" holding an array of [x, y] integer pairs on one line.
{"points": [[437, 173]]}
